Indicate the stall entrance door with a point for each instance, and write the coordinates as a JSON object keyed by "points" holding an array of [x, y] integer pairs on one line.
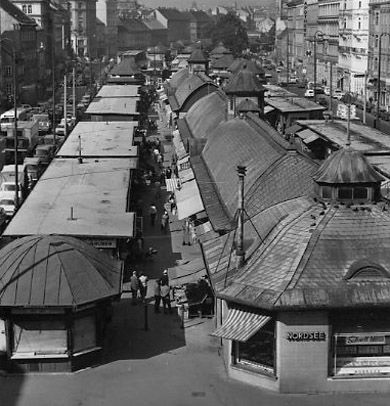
{"points": [[3, 346]]}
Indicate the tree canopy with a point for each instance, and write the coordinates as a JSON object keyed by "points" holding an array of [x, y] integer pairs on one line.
{"points": [[230, 30]]}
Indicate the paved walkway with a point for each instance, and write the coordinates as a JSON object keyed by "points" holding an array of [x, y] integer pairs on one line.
{"points": [[161, 365]]}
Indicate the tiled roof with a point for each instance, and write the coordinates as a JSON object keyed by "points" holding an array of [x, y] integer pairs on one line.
{"points": [[222, 63], [178, 77], [197, 56], [126, 67], [239, 63], [347, 166], [40, 271], [245, 81], [214, 207], [201, 16], [317, 247], [220, 49], [16, 12], [237, 142], [132, 25]]}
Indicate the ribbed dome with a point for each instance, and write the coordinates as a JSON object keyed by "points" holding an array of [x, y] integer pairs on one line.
{"points": [[53, 270], [244, 82], [347, 166]]}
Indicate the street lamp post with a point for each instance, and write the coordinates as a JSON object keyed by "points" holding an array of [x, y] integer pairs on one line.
{"points": [[379, 77], [318, 35], [15, 120]]}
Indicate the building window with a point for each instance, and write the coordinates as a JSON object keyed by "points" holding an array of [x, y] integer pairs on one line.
{"points": [[24, 8], [345, 193], [376, 18], [326, 192], [29, 9], [376, 41], [360, 4], [8, 70], [258, 353], [345, 23], [8, 88], [360, 344], [359, 24]]}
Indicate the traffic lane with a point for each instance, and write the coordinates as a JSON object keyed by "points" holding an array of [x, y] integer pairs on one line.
{"points": [[383, 125]]}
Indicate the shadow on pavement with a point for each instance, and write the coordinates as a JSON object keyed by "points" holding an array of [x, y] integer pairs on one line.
{"points": [[126, 337]]}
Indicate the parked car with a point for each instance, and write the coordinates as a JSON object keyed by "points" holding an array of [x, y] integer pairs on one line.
{"points": [[327, 90], [293, 80], [268, 76], [278, 70], [323, 101], [309, 93], [319, 90], [11, 187], [7, 203], [60, 129], [338, 94]]}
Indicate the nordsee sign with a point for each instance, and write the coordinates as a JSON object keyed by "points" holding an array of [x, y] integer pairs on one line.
{"points": [[306, 336]]}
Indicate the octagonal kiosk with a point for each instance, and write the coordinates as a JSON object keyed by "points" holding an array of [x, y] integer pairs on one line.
{"points": [[55, 301]]}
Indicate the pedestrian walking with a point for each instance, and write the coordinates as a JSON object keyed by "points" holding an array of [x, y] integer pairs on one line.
{"points": [[157, 296], [153, 214], [134, 286], [166, 299], [143, 285], [172, 202], [164, 278], [168, 173], [164, 222]]}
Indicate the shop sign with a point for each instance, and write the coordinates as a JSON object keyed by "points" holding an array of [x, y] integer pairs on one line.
{"points": [[363, 366], [306, 336], [102, 243], [364, 340]]}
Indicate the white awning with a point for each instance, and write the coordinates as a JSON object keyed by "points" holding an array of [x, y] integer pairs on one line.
{"points": [[241, 325], [188, 200], [178, 144], [268, 109], [187, 272], [307, 136]]}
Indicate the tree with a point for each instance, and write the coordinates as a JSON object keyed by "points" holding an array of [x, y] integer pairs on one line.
{"points": [[230, 30]]}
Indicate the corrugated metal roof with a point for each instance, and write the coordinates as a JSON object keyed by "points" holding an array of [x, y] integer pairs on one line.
{"points": [[245, 81], [127, 67], [97, 190], [119, 91], [293, 104], [101, 139], [55, 271], [114, 106], [241, 325], [187, 272]]}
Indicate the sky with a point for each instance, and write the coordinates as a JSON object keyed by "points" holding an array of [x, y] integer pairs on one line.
{"points": [[203, 4]]}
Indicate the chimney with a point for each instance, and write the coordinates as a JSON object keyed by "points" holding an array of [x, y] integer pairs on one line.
{"points": [[240, 254]]}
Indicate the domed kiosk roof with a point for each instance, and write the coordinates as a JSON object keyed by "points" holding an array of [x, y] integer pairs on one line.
{"points": [[347, 166], [55, 271], [245, 81], [197, 55]]}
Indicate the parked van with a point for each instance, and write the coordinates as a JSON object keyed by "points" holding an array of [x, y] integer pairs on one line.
{"points": [[43, 122], [8, 117], [34, 170]]}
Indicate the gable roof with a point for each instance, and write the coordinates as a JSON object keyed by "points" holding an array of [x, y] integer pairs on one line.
{"points": [[16, 12], [126, 67], [173, 14]]}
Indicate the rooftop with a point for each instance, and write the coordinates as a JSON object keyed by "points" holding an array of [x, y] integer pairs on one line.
{"points": [[293, 104], [114, 106], [119, 91], [97, 190], [40, 271], [101, 139]]}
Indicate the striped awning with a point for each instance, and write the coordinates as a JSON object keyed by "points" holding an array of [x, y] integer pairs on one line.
{"points": [[241, 325], [172, 184]]}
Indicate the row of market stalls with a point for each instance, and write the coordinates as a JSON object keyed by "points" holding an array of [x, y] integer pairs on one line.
{"points": [[302, 282], [63, 266]]}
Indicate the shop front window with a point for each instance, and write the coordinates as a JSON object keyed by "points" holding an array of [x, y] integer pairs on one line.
{"points": [[361, 345], [34, 338], [258, 353]]}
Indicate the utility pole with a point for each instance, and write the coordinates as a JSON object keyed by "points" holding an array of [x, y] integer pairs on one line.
{"points": [[240, 253], [65, 107], [74, 91], [330, 89], [288, 59]]}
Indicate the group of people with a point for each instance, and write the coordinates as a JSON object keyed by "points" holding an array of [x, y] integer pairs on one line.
{"points": [[164, 218], [162, 290], [138, 287]]}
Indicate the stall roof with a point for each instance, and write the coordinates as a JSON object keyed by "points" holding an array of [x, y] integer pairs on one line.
{"points": [[101, 139], [293, 104], [114, 105], [368, 140], [95, 190], [118, 91]]}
